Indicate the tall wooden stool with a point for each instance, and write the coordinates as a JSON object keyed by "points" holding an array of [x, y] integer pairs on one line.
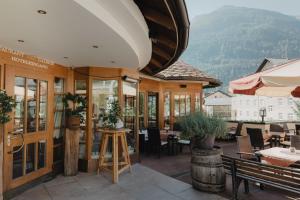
{"points": [[116, 166]]}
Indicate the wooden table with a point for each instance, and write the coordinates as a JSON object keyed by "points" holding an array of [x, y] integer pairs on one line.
{"points": [[116, 166], [279, 156]]}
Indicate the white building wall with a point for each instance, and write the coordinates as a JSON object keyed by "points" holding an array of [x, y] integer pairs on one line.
{"points": [[246, 108]]}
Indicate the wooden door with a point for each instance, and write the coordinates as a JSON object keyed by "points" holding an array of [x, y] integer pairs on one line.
{"points": [[27, 148]]}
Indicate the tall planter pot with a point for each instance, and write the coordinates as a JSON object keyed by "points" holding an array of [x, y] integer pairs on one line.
{"points": [[71, 151], [207, 170]]}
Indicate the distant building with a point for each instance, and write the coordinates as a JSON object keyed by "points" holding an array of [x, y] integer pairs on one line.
{"points": [[246, 108], [218, 104]]}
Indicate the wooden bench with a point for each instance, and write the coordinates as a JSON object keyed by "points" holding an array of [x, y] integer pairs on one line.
{"points": [[284, 178]]}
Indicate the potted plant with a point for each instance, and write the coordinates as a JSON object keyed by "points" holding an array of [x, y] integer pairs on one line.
{"points": [[112, 119], [6, 106], [207, 169], [74, 106]]}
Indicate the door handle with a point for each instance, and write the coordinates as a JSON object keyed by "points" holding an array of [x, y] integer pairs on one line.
{"points": [[14, 135]]}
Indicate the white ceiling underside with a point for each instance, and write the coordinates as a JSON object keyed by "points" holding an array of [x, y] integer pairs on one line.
{"points": [[72, 27]]}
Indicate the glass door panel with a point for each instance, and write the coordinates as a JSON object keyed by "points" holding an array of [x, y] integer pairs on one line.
{"points": [[18, 157], [30, 158], [19, 100], [59, 130], [103, 93], [27, 142], [129, 96], [43, 92], [31, 105], [152, 110]]}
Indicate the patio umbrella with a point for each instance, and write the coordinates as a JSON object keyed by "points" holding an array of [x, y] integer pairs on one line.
{"points": [[283, 80]]}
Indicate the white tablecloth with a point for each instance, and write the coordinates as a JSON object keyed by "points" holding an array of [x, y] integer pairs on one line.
{"points": [[281, 153]]}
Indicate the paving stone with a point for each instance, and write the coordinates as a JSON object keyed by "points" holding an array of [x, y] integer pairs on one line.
{"points": [[142, 184]]}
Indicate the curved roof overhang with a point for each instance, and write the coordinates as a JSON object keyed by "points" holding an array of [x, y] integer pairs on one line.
{"points": [[168, 24], [110, 33]]}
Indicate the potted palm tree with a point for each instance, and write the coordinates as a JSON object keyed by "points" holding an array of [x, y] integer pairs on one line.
{"points": [[74, 106], [207, 169]]}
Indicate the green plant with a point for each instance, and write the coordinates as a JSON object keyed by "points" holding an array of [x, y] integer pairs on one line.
{"points": [[114, 114], [79, 104], [7, 104], [201, 125]]}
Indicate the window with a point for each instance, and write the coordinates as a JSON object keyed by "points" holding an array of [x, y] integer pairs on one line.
{"points": [[255, 114], [103, 93], [81, 88], [197, 102], [247, 102], [254, 102], [280, 116], [152, 109], [261, 102], [129, 97], [129, 116], [141, 110], [270, 108], [31, 105], [247, 113], [241, 113], [59, 128], [182, 105], [280, 102], [290, 116], [167, 110], [290, 101]]}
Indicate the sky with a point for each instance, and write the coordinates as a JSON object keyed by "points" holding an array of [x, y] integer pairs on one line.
{"points": [[199, 7]]}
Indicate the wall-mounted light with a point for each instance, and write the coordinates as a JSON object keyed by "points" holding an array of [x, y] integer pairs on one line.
{"points": [[21, 41], [128, 79]]}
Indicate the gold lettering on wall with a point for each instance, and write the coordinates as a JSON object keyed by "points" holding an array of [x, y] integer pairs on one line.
{"points": [[28, 62], [20, 57]]}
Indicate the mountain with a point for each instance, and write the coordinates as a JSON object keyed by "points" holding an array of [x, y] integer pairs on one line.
{"points": [[231, 42]]}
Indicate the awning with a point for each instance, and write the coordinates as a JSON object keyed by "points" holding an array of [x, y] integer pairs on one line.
{"points": [[282, 80]]}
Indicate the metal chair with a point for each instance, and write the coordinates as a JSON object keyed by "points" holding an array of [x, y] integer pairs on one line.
{"points": [[256, 138], [297, 129], [295, 141], [279, 137], [239, 129], [244, 148], [155, 143]]}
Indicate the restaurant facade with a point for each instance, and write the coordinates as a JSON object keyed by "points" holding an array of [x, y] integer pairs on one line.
{"points": [[33, 141]]}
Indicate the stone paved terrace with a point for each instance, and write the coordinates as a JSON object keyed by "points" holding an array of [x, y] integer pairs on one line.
{"points": [[143, 183]]}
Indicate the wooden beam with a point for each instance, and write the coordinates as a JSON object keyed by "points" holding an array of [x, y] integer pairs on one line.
{"points": [[166, 41], [158, 51], [147, 69], [154, 62], [159, 18]]}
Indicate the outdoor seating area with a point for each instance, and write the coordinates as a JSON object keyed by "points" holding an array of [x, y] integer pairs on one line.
{"points": [[156, 141], [130, 102]]}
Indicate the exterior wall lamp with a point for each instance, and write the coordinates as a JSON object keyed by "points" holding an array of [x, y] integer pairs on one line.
{"points": [[263, 114]]}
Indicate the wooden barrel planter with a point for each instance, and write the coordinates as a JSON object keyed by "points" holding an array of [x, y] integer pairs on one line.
{"points": [[207, 170]]}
